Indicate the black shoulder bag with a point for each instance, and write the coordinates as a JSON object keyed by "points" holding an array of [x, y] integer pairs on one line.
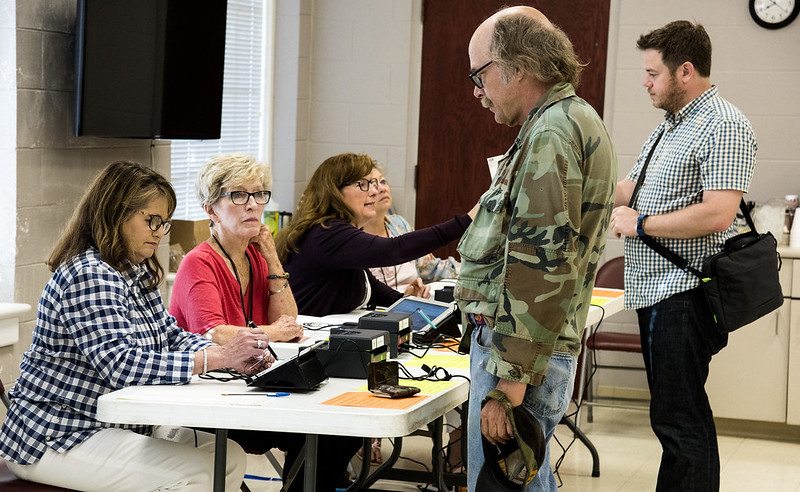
{"points": [[741, 282]]}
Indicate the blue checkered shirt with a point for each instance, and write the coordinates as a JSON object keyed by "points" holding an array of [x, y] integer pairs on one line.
{"points": [[707, 145], [97, 330]]}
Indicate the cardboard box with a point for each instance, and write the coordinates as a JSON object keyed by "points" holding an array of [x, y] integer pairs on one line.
{"points": [[189, 233]]}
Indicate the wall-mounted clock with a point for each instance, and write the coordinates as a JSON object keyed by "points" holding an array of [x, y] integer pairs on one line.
{"points": [[774, 14]]}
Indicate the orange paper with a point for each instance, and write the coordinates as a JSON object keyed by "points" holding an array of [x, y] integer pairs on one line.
{"points": [[606, 293], [365, 399]]}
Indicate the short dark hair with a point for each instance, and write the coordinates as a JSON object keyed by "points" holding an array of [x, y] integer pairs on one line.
{"points": [[679, 42], [116, 194], [544, 52]]}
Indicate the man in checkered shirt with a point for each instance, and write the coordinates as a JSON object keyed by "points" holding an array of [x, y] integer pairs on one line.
{"points": [[703, 156]]}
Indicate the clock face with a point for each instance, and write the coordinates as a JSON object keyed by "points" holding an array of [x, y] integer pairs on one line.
{"points": [[774, 14]]}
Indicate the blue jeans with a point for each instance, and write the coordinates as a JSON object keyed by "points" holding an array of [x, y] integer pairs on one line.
{"points": [[678, 340], [547, 403]]}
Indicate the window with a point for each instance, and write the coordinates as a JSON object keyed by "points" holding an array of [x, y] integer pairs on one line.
{"points": [[242, 105]]}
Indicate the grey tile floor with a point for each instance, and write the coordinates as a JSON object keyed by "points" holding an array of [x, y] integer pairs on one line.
{"points": [[629, 457]]}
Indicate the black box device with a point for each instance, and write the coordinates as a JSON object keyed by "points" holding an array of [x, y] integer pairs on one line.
{"points": [[349, 351], [397, 324]]}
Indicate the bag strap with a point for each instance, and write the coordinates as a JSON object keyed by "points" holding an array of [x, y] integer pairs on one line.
{"points": [[659, 248], [639, 181]]}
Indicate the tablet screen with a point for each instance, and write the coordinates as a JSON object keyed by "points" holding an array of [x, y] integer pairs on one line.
{"points": [[410, 305]]}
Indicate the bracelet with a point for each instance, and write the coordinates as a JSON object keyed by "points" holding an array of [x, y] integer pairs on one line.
{"points": [[273, 277], [279, 290], [205, 361]]}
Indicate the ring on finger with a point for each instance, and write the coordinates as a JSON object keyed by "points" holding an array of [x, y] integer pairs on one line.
{"points": [[258, 343]]}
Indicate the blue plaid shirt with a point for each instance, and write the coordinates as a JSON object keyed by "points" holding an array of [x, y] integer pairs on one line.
{"points": [[707, 145], [97, 330]]}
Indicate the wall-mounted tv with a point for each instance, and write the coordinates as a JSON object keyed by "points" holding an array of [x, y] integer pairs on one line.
{"points": [[149, 68]]}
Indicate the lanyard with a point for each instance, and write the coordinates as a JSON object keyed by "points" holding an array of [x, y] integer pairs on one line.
{"points": [[248, 319]]}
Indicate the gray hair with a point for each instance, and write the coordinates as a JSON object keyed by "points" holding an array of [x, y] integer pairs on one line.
{"points": [[520, 42]]}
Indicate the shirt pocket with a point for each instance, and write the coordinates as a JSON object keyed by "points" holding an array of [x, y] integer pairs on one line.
{"points": [[484, 241]]}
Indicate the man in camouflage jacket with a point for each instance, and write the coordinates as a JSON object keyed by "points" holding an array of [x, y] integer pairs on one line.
{"points": [[530, 256]]}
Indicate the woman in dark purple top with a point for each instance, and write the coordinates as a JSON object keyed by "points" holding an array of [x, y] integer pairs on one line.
{"points": [[327, 254]]}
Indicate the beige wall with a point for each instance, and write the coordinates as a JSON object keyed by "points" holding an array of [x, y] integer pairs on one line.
{"points": [[53, 167], [346, 79]]}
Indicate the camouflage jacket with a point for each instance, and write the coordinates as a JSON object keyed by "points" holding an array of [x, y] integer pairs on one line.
{"points": [[528, 260]]}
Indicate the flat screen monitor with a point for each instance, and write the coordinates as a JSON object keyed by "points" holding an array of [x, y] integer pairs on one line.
{"points": [[149, 68]]}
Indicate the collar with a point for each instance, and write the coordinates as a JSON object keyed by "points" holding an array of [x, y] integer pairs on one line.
{"points": [[674, 119], [556, 93], [135, 274]]}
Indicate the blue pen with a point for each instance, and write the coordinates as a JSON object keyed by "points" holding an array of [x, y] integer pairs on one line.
{"points": [[278, 394], [427, 319]]}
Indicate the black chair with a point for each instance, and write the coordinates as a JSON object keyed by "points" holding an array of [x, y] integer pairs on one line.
{"points": [[610, 275], [8, 481]]}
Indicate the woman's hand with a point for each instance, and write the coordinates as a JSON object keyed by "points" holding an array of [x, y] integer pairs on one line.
{"points": [[247, 352], [285, 329], [265, 244], [419, 289], [474, 211]]}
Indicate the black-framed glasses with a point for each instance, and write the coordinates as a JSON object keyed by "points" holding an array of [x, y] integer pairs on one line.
{"points": [[364, 184], [156, 221], [475, 75], [241, 197]]}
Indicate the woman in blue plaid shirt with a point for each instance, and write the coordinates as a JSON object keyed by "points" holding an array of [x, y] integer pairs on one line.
{"points": [[102, 326]]}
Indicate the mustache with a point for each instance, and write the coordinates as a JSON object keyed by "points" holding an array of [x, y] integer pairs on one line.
{"points": [[486, 102]]}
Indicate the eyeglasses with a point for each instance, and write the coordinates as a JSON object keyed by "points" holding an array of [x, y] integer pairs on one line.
{"points": [[242, 197], [155, 221], [476, 78], [364, 184]]}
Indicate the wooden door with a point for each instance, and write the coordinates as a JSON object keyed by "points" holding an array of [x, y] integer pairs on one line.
{"points": [[456, 134]]}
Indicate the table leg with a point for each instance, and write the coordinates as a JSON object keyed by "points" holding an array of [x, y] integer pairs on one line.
{"points": [[585, 440], [310, 473], [437, 457], [220, 455], [365, 482]]}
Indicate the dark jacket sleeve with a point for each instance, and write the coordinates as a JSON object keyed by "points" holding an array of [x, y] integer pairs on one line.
{"points": [[348, 247]]}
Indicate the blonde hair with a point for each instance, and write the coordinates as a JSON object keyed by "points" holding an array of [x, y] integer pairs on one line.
{"points": [[227, 171]]}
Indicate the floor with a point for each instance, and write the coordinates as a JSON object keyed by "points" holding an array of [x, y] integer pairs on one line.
{"points": [[629, 457]]}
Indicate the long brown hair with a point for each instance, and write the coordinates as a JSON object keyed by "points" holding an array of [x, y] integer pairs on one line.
{"points": [[322, 199], [116, 194]]}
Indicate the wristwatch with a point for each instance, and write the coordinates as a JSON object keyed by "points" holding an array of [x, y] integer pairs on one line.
{"points": [[640, 225]]}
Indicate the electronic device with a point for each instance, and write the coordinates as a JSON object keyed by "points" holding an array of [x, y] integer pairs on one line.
{"points": [[436, 311], [441, 317], [349, 351], [301, 372], [149, 68], [445, 294], [383, 379], [397, 324]]}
